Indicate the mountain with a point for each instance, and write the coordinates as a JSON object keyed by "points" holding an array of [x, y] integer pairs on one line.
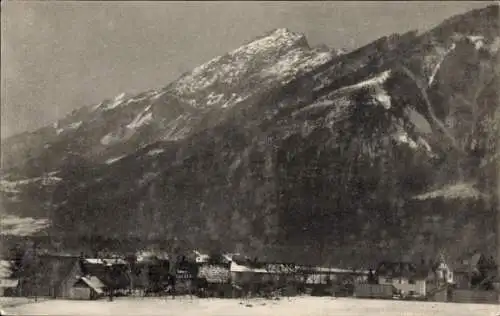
{"points": [[388, 150]]}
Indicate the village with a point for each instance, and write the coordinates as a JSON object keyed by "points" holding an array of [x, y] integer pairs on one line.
{"points": [[51, 276]]}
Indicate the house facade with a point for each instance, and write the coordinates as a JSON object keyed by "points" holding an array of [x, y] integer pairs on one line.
{"points": [[406, 277], [476, 271], [326, 275], [217, 274], [443, 273]]}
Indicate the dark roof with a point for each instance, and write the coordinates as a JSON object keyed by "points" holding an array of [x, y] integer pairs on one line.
{"points": [[399, 269], [120, 279], [474, 262]]}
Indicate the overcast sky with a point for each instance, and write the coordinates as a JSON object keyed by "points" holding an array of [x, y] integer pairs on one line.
{"points": [[58, 56]]}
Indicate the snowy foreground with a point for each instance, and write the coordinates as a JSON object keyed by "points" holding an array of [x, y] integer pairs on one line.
{"points": [[233, 307]]}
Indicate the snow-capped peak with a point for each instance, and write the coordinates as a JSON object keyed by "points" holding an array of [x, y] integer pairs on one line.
{"points": [[281, 37], [260, 53]]}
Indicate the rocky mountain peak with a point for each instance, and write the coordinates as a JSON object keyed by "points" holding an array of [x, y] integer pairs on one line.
{"points": [[279, 144]]}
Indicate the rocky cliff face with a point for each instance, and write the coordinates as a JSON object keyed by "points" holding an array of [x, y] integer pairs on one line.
{"points": [[276, 144]]}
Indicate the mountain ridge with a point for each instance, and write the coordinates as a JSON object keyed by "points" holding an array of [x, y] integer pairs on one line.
{"points": [[327, 142]]}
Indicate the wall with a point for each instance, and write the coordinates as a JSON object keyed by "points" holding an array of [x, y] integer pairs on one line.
{"points": [[472, 296], [403, 284], [461, 280], [79, 293], [67, 285], [440, 295], [214, 274], [373, 290], [250, 277], [319, 278], [444, 272]]}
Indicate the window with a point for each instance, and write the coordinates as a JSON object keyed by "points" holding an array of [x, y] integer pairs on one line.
{"points": [[412, 281]]}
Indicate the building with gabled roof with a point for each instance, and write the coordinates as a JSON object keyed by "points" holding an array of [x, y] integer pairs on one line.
{"points": [[476, 271], [53, 277], [408, 278], [58, 276]]}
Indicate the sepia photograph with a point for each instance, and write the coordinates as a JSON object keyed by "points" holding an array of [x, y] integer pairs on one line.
{"points": [[250, 158]]}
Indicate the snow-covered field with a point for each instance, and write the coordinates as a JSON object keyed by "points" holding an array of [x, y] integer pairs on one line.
{"points": [[234, 307]]}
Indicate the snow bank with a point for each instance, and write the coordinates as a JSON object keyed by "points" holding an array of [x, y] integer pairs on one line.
{"points": [[375, 84], [140, 120], [116, 102], [12, 186], [477, 40], [441, 57], [114, 159], [74, 125], [155, 152], [21, 226], [295, 61], [116, 137], [295, 306], [213, 98], [454, 191]]}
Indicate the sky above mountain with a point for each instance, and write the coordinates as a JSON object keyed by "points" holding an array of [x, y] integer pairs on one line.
{"points": [[58, 56]]}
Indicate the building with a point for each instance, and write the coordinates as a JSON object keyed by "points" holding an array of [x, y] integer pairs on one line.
{"points": [[406, 277], [54, 277], [325, 275], [266, 268], [380, 291], [214, 280], [298, 277], [476, 271], [112, 272], [443, 273], [217, 274], [58, 276], [439, 278], [200, 257], [87, 288]]}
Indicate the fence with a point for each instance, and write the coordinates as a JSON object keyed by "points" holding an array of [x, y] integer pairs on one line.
{"points": [[365, 290], [438, 294], [474, 296]]}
